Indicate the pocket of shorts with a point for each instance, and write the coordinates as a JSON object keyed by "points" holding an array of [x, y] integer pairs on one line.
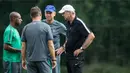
{"points": [[78, 64]]}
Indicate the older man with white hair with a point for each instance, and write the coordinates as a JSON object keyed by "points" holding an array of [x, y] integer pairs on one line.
{"points": [[79, 37]]}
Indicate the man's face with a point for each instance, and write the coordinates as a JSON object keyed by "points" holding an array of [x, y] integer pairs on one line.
{"points": [[66, 15], [49, 15], [18, 20]]}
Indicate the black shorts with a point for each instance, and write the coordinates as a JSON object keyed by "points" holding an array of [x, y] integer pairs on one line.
{"points": [[74, 63], [74, 66]]}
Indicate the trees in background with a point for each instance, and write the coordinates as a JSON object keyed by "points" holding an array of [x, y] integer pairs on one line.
{"points": [[108, 19]]}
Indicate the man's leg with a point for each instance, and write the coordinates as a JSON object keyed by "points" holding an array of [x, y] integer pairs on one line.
{"points": [[31, 67], [44, 66], [57, 68], [78, 66], [12, 67], [74, 66], [6, 66], [16, 67], [69, 70]]}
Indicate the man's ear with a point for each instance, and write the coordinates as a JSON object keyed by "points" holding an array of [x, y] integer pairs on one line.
{"points": [[54, 13], [41, 15]]}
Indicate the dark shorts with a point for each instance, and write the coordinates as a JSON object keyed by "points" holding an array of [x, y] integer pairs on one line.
{"points": [[12, 67], [39, 67], [74, 64]]}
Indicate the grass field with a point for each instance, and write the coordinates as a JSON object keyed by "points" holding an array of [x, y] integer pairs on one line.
{"points": [[101, 68]]}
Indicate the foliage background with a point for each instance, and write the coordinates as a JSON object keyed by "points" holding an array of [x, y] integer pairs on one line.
{"points": [[108, 19]]}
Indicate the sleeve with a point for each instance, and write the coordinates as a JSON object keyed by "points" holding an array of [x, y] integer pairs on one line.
{"points": [[84, 30], [23, 37], [49, 34], [62, 29], [8, 36]]}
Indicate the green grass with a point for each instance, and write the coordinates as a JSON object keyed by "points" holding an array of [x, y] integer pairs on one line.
{"points": [[101, 68], [106, 68]]}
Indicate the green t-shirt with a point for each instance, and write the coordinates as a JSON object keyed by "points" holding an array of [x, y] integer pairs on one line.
{"points": [[11, 36]]}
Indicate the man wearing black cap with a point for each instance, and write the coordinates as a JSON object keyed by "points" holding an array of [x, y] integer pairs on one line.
{"points": [[57, 29]]}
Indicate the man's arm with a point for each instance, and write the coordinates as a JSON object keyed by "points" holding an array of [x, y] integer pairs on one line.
{"points": [[85, 45], [62, 30], [23, 39], [51, 46], [88, 41], [8, 38], [52, 52], [61, 49], [89, 38], [24, 55], [11, 49]]}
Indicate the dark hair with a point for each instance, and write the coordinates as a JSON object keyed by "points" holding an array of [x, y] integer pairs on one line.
{"points": [[35, 11]]}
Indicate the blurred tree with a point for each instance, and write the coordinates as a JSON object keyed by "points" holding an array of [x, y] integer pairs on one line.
{"points": [[108, 19]]}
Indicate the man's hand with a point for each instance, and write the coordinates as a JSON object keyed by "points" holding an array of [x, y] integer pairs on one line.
{"points": [[54, 64], [59, 51], [77, 52], [24, 65]]}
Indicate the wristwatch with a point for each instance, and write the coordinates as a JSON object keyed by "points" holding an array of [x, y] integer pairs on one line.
{"points": [[82, 48]]}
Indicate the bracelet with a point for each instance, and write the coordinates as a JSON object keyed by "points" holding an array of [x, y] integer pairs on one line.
{"points": [[53, 59]]}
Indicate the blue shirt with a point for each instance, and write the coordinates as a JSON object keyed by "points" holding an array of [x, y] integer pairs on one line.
{"points": [[57, 28]]}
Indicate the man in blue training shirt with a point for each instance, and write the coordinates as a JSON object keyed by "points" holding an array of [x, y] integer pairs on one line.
{"points": [[57, 29]]}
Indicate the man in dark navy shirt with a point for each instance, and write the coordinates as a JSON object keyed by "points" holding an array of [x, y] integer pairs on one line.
{"points": [[79, 37]]}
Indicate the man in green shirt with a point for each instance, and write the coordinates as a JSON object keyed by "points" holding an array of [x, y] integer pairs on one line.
{"points": [[12, 45]]}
